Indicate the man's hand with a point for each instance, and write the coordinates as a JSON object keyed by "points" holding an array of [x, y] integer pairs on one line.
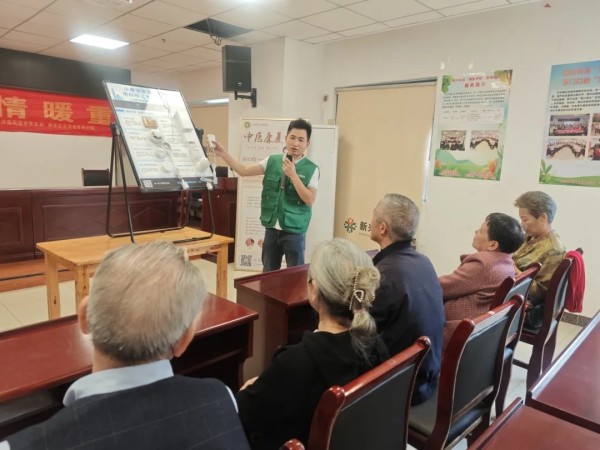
{"points": [[220, 150]]}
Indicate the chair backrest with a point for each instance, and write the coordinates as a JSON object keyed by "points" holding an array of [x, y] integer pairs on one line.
{"points": [[515, 285], [554, 302], [472, 366], [95, 177], [520, 286], [372, 410], [292, 444]]}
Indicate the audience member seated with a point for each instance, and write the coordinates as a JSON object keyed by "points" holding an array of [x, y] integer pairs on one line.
{"points": [[142, 311], [280, 403], [408, 303], [468, 291], [543, 245]]}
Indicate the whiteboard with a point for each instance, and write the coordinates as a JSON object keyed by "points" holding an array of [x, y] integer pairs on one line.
{"points": [[249, 231]]}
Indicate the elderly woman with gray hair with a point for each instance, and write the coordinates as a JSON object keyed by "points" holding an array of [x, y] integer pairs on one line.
{"points": [[542, 244], [279, 405]]}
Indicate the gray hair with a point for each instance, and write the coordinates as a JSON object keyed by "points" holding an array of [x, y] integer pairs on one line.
{"points": [[537, 203], [143, 300], [339, 269], [400, 214]]}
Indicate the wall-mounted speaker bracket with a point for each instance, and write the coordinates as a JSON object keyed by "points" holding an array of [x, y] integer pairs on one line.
{"points": [[251, 97]]}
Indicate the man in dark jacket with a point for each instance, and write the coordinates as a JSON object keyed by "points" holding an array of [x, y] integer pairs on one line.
{"points": [[409, 301], [142, 311]]}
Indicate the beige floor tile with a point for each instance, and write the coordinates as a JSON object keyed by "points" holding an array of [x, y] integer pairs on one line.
{"points": [[7, 320]]}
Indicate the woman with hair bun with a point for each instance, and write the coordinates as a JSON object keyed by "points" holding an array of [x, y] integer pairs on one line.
{"points": [[279, 405]]}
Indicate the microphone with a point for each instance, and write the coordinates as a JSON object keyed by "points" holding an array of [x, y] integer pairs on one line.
{"points": [[283, 177]]}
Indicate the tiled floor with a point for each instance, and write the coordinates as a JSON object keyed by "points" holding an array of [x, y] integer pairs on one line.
{"points": [[27, 306]]}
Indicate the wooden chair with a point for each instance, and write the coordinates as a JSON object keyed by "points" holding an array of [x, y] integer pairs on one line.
{"points": [[469, 381], [95, 177], [507, 290], [370, 411], [543, 340]]}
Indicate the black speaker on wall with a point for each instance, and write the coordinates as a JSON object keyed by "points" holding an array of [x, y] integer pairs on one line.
{"points": [[236, 69]]}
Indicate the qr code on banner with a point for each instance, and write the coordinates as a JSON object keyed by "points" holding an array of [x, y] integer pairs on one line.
{"points": [[246, 261]]}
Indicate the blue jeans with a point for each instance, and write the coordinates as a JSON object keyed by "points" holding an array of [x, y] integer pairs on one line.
{"points": [[278, 243]]}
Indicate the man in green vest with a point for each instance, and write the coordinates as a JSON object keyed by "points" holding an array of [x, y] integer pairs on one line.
{"points": [[289, 189]]}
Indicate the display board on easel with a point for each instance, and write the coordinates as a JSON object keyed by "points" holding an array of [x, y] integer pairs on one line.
{"points": [[160, 138]]}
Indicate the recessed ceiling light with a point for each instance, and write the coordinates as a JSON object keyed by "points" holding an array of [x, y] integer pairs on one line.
{"points": [[98, 41]]}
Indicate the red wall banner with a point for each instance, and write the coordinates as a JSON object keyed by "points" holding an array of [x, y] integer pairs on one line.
{"points": [[42, 112]]}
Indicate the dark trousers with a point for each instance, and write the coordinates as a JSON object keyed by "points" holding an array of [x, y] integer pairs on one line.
{"points": [[279, 243]]}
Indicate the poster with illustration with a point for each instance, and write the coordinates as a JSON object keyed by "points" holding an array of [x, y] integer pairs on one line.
{"points": [[470, 125], [571, 151]]}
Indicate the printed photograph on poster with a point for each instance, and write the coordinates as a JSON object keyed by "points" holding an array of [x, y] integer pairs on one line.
{"points": [[470, 125], [571, 146]]}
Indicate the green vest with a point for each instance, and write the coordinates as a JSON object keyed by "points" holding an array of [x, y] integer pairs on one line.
{"points": [[285, 204]]}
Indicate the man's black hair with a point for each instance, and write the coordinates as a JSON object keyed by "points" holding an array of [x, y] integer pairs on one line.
{"points": [[301, 124]]}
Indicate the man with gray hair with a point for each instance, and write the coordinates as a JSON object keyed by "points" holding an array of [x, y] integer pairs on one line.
{"points": [[142, 311], [409, 301]]}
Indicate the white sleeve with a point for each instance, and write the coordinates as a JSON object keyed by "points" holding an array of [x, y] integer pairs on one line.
{"points": [[262, 164], [314, 180]]}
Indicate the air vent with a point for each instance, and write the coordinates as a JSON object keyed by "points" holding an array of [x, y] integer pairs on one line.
{"points": [[217, 28]]}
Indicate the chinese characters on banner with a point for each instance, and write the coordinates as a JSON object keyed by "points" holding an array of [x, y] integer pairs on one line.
{"points": [[470, 125], [41, 112], [259, 138], [571, 153]]}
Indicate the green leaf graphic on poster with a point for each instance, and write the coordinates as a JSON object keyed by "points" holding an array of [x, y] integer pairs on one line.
{"points": [[446, 82], [504, 76], [545, 175]]}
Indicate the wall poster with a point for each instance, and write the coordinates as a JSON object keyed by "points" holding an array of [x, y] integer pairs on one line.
{"points": [[571, 152], [470, 124]]}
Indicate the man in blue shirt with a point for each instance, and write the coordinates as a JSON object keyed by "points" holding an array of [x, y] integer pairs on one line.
{"points": [[141, 312]]}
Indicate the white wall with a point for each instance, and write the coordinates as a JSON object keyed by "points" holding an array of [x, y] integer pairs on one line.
{"points": [[528, 39]]}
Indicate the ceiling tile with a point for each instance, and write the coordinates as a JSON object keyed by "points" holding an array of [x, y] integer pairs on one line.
{"points": [[367, 29], [140, 24], [138, 52], [382, 10], [202, 54], [473, 7], [208, 7], [70, 50], [55, 25], [42, 41], [37, 4], [253, 37], [346, 2], [168, 45], [189, 36], [297, 9], [81, 10], [337, 20], [437, 4], [296, 30], [417, 18], [167, 13], [12, 14], [22, 46], [324, 38], [252, 16], [110, 31]]}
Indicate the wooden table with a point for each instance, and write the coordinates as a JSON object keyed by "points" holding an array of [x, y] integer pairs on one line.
{"points": [[281, 299], [53, 354], [570, 389], [84, 254], [525, 428]]}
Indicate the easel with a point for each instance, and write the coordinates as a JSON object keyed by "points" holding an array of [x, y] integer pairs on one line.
{"points": [[117, 151]]}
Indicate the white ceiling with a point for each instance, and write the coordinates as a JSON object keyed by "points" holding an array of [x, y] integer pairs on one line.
{"points": [[160, 44]]}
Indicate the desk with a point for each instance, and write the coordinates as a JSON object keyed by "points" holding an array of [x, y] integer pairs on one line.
{"points": [[281, 299], [84, 254], [524, 428], [570, 389], [53, 354]]}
